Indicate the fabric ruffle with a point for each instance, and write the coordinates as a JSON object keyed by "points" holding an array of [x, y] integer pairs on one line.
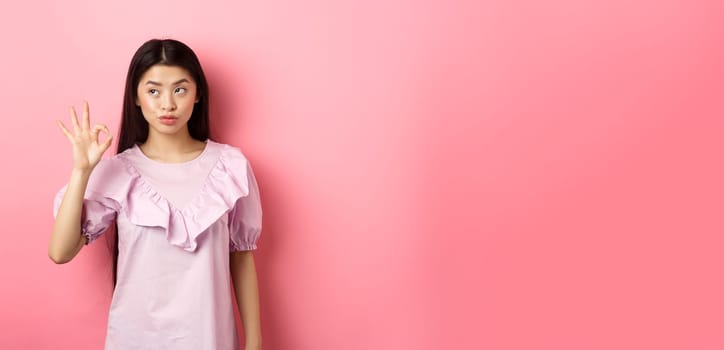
{"points": [[97, 214], [144, 206]]}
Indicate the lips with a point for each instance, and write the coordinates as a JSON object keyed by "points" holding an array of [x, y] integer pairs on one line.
{"points": [[168, 119]]}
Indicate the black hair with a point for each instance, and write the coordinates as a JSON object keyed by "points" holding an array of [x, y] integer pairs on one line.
{"points": [[134, 128]]}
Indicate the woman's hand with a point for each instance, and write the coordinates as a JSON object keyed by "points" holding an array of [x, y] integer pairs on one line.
{"points": [[87, 151]]}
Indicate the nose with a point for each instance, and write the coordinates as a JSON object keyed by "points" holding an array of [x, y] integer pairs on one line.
{"points": [[168, 103]]}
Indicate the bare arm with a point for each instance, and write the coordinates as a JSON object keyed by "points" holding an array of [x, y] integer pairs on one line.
{"points": [[66, 239], [246, 287]]}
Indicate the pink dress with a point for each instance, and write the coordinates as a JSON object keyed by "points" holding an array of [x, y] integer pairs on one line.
{"points": [[177, 223]]}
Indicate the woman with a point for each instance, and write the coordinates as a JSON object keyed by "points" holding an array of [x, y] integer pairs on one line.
{"points": [[186, 208]]}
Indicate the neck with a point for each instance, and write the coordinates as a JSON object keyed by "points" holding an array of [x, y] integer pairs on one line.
{"points": [[170, 147]]}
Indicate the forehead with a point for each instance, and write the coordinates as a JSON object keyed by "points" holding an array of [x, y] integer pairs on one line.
{"points": [[165, 74]]}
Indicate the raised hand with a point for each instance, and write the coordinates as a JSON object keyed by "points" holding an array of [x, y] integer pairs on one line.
{"points": [[87, 151]]}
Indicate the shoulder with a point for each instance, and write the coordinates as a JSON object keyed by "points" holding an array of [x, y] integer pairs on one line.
{"points": [[232, 162], [228, 153], [111, 172], [111, 166]]}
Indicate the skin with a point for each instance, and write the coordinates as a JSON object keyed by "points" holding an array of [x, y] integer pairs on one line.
{"points": [[168, 91], [162, 91]]}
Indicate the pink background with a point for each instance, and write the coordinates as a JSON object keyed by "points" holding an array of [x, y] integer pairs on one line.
{"points": [[435, 174]]}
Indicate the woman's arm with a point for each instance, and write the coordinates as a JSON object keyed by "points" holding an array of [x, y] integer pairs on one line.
{"points": [[246, 288], [66, 240]]}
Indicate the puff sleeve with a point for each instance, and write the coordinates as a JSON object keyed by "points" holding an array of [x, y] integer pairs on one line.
{"points": [[245, 217], [99, 211]]}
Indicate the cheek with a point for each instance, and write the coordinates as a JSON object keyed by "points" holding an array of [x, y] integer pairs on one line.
{"points": [[186, 103], [189, 102], [144, 101]]}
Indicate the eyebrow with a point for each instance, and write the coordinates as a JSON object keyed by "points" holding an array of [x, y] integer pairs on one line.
{"points": [[150, 82]]}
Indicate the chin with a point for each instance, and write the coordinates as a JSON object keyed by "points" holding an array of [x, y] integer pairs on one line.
{"points": [[165, 130]]}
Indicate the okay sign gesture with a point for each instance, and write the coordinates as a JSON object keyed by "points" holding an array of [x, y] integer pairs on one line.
{"points": [[87, 151]]}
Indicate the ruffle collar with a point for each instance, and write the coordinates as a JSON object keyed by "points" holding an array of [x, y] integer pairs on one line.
{"points": [[143, 205]]}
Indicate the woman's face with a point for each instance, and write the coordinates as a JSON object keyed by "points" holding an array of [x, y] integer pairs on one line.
{"points": [[166, 95]]}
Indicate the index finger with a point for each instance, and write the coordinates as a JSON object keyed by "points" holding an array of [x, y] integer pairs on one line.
{"points": [[86, 115], [64, 130]]}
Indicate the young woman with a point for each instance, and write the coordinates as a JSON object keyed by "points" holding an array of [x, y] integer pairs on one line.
{"points": [[186, 209]]}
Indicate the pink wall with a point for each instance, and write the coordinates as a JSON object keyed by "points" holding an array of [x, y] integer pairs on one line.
{"points": [[480, 175]]}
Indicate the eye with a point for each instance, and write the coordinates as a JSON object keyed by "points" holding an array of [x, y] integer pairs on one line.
{"points": [[153, 92], [180, 90]]}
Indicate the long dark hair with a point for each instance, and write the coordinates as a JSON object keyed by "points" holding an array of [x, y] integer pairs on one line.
{"points": [[134, 128]]}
